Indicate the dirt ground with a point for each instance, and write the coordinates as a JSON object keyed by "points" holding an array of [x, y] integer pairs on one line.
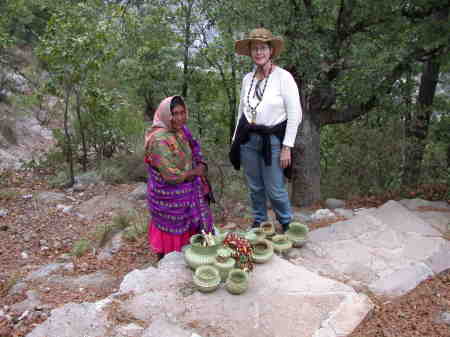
{"points": [[45, 233]]}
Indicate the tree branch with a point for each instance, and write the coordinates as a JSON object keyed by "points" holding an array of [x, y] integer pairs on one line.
{"points": [[415, 13], [329, 115], [350, 112], [296, 6]]}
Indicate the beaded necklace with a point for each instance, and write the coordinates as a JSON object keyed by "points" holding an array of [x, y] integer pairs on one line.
{"points": [[251, 109]]}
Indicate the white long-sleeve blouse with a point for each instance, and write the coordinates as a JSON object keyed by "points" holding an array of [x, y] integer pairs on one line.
{"points": [[281, 101]]}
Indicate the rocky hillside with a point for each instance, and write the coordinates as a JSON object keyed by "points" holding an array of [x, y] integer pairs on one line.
{"points": [[22, 138]]}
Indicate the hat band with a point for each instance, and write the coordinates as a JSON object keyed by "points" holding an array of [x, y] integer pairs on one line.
{"points": [[265, 37]]}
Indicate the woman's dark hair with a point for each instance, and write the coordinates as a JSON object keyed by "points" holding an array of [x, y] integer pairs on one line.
{"points": [[176, 100]]}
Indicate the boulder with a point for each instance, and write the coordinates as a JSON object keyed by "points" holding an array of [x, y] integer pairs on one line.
{"points": [[334, 203], [139, 193], [387, 249], [50, 197], [113, 203]]}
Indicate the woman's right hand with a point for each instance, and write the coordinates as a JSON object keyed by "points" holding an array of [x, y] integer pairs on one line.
{"points": [[199, 170]]}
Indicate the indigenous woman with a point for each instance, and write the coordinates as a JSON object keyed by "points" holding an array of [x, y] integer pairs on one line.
{"points": [[268, 119], [177, 191]]}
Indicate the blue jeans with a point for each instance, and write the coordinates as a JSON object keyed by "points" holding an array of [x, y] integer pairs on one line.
{"points": [[265, 181]]}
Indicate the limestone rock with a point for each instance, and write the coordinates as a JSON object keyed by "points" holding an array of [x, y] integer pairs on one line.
{"points": [[71, 320], [139, 193], [50, 197], [104, 203], [334, 203]]}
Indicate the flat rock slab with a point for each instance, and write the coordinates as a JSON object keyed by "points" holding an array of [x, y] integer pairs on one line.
{"points": [[98, 279], [114, 203], [415, 204], [84, 319], [389, 250], [283, 300]]}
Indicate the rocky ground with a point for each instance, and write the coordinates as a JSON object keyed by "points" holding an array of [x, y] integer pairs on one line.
{"points": [[35, 233]]}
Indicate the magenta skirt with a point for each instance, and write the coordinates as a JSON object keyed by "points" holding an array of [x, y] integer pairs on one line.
{"points": [[163, 242]]}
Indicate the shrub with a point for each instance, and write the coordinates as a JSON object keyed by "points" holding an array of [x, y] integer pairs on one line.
{"points": [[111, 174], [80, 247], [58, 180], [124, 168], [123, 220], [9, 283], [6, 195], [135, 231]]}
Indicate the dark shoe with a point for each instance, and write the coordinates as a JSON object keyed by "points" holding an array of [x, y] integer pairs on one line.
{"points": [[285, 226], [256, 224], [159, 256]]}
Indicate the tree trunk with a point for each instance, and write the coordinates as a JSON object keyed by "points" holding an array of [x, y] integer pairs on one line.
{"points": [[82, 132], [187, 45], [150, 106], [416, 128], [68, 140], [306, 161], [448, 157], [417, 123]]}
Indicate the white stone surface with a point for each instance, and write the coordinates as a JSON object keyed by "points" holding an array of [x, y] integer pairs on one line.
{"points": [[70, 320], [334, 203], [388, 249]]}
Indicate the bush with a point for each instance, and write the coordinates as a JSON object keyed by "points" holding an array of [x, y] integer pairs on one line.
{"points": [[133, 224], [137, 229], [123, 220], [80, 247], [58, 180], [6, 195], [111, 174], [359, 159], [124, 168], [10, 281]]}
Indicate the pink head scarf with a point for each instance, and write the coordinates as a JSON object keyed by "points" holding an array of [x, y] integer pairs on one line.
{"points": [[162, 118]]}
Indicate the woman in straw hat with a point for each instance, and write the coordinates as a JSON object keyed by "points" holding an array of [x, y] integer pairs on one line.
{"points": [[268, 119]]}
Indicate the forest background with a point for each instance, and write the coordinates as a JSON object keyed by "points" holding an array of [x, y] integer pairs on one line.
{"points": [[374, 81]]}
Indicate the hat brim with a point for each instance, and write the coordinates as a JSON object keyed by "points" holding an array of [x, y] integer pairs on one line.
{"points": [[242, 47]]}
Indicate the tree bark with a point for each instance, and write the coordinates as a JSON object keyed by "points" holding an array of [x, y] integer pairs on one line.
{"points": [[417, 123], [448, 157], [68, 139], [187, 45], [84, 159], [306, 161]]}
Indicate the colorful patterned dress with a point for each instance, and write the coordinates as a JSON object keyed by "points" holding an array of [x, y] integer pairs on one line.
{"points": [[178, 208]]}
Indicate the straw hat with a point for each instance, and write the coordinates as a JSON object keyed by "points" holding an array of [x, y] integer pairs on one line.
{"points": [[242, 47]]}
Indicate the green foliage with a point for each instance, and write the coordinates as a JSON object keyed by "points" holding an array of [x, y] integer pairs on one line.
{"points": [[440, 129], [58, 180], [102, 233], [121, 60], [137, 229], [133, 224], [6, 195], [76, 42], [22, 21], [80, 247], [127, 167], [9, 283], [111, 174], [434, 165], [228, 184], [122, 220], [357, 159]]}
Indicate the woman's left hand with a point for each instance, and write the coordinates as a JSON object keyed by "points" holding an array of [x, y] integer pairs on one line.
{"points": [[285, 157]]}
